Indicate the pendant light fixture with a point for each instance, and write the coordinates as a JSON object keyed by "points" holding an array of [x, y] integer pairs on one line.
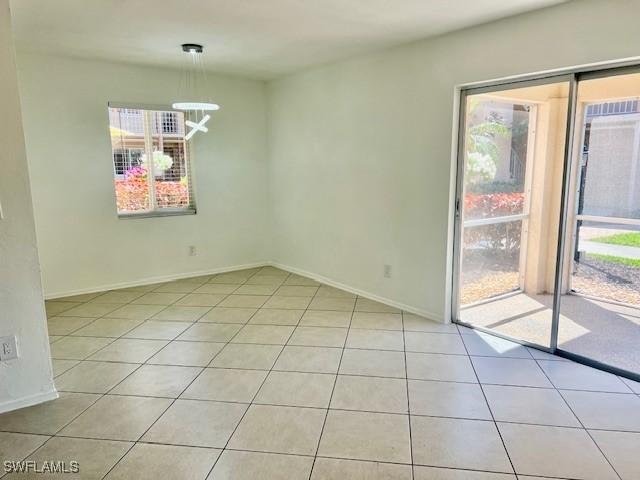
{"points": [[193, 87]]}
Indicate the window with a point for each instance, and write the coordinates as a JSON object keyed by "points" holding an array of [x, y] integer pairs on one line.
{"points": [[150, 156]]}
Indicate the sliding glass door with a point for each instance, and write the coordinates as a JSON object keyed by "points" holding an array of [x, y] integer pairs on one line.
{"points": [[513, 157], [547, 231], [600, 311]]}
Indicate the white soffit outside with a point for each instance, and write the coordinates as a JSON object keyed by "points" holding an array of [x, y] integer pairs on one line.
{"points": [[260, 39]]}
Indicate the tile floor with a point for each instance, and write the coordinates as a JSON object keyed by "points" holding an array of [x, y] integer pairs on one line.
{"points": [[264, 374]]}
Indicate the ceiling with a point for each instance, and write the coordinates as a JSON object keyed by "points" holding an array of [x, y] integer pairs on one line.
{"points": [[255, 38]]}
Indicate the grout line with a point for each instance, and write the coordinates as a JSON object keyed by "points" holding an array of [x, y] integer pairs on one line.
{"points": [[333, 388], [579, 420], [406, 379], [495, 424]]}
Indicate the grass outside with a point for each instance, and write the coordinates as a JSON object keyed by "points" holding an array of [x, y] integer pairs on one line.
{"points": [[631, 239], [632, 262]]}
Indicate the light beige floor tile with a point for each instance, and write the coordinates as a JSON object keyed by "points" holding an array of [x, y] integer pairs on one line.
{"points": [[94, 377], [634, 386], [266, 334], [541, 406], [244, 301], [249, 356], [325, 318], [230, 278], [271, 270], [510, 371], [81, 298], [150, 462], [156, 298], [435, 473], [273, 316], [458, 443], [294, 279], [332, 303], [49, 417], [219, 288], [294, 303], [447, 399], [319, 336], [129, 350], [605, 411], [228, 315], [425, 342], [140, 288], [77, 348], [554, 452], [90, 310], [201, 299], [189, 354], [266, 280], [177, 286], [297, 389], [107, 327], [136, 312], [157, 381], [181, 314], [298, 430], [296, 291], [434, 366], [94, 457], [158, 330], [416, 323], [196, 423], [373, 362], [115, 417], [309, 359], [226, 385], [540, 355], [61, 366], [375, 339], [373, 394], [116, 297], [54, 338], [335, 469], [236, 465], [327, 291], [200, 279], [621, 448], [573, 376], [384, 321], [366, 305], [17, 446], [210, 332], [66, 325], [491, 346], [380, 437], [54, 308], [256, 290]]}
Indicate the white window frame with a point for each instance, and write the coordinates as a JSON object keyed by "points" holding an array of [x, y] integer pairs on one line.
{"points": [[148, 147]]}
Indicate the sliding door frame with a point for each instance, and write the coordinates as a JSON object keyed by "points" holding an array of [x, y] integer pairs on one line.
{"points": [[573, 77]]}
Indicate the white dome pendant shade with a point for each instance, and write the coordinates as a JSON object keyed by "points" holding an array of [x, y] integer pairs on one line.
{"points": [[192, 85]]}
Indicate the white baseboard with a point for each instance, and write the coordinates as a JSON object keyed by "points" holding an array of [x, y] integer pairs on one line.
{"points": [[28, 401], [362, 293], [151, 280], [319, 278]]}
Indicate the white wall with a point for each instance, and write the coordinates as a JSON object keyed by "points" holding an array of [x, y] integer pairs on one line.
{"points": [[360, 151], [28, 379], [83, 245]]}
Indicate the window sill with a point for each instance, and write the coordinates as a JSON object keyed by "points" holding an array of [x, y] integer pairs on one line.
{"points": [[157, 213]]}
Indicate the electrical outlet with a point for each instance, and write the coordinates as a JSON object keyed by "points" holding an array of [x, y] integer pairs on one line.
{"points": [[387, 271], [8, 348], [192, 251]]}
